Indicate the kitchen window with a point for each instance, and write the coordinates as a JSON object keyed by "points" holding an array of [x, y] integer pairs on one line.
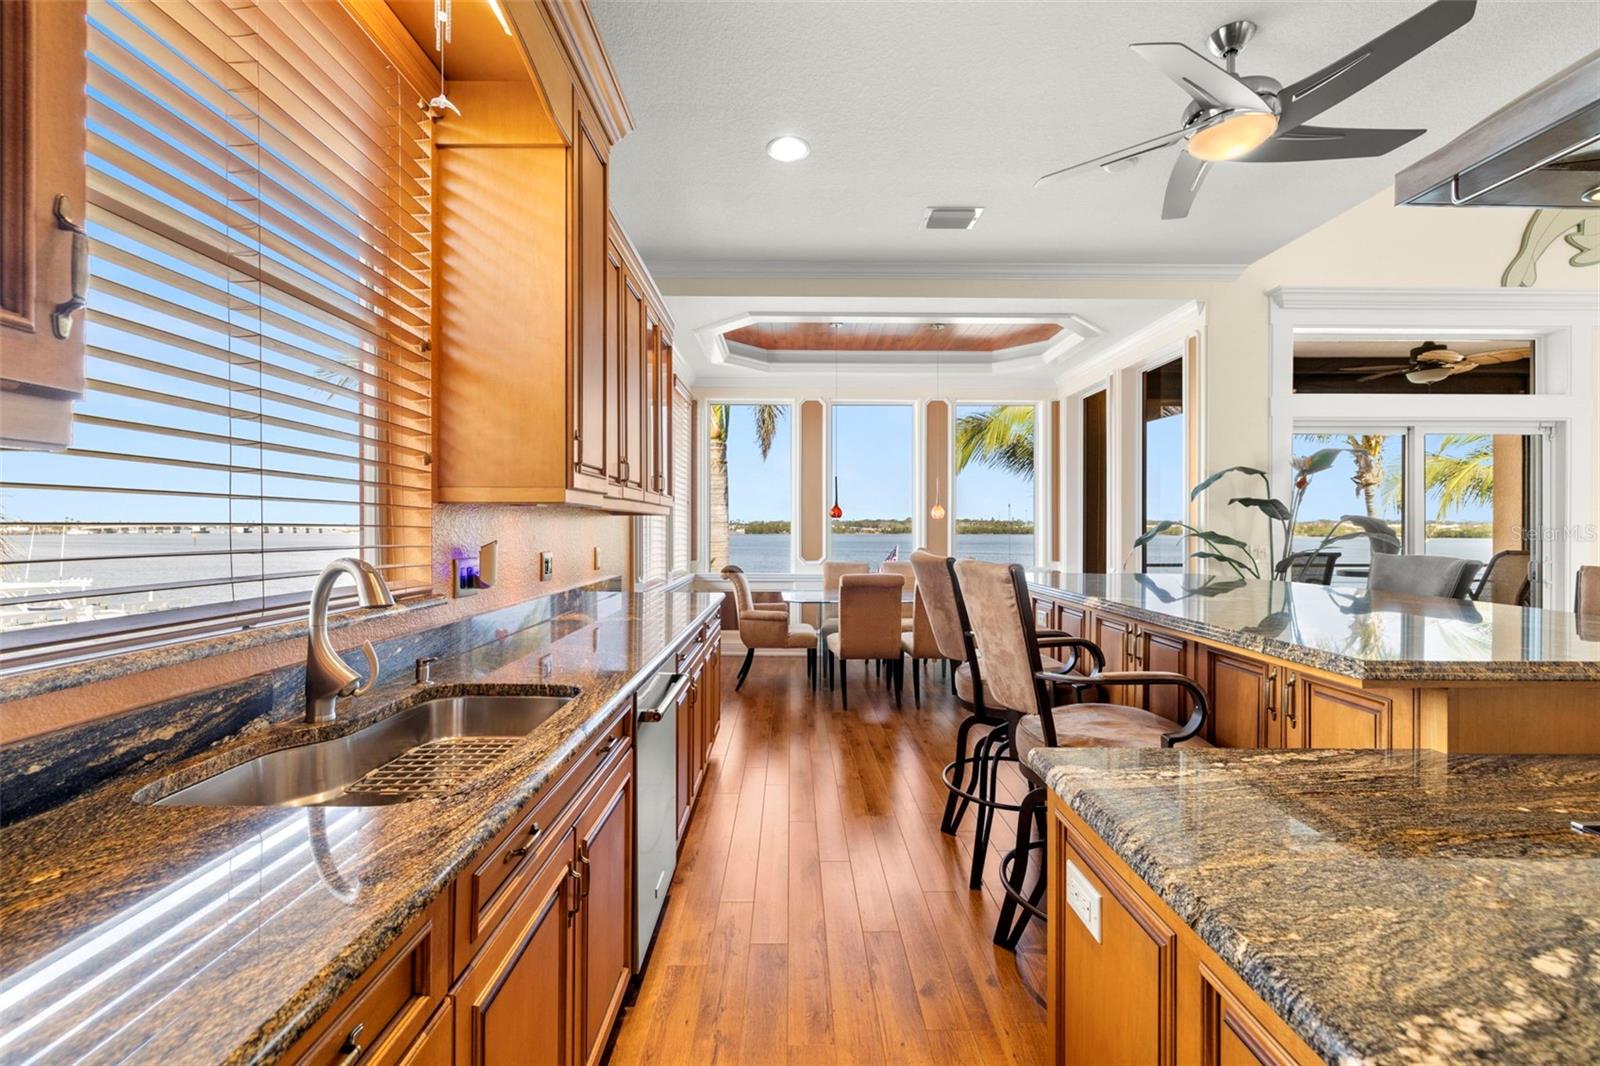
{"points": [[257, 400]]}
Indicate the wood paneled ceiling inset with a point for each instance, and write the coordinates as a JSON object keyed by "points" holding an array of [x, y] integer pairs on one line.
{"points": [[891, 336]]}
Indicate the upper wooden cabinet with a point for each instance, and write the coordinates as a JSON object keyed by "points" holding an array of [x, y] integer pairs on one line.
{"points": [[44, 252], [547, 345]]}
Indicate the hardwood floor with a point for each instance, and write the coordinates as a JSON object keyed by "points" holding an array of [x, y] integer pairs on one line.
{"points": [[818, 915]]}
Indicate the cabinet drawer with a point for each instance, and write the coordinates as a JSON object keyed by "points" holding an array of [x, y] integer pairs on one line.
{"points": [[436, 1045], [487, 888], [389, 1006]]}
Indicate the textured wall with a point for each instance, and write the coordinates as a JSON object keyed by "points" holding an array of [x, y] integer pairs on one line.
{"points": [[571, 533]]}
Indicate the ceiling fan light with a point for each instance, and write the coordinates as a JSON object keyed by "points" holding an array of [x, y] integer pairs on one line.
{"points": [[1430, 375], [1237, 135]]}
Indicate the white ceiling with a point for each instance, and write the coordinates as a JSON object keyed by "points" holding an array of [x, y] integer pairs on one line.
{"points": [[909, 105]]}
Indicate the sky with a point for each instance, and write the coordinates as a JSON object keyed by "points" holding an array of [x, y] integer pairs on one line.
{"points": [[1331, 493], [873, 450]]}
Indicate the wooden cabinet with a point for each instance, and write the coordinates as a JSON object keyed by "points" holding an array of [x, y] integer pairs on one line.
{"points": [[1163, 652], [515, 1003], [1243, 695], [43, 258], [547, 348], [436, 1046], [699, 717], [1143, 987], [605, 908], [1320, 715]]}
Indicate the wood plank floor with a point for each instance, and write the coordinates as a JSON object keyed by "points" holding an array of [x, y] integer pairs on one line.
{"points": [[818, 915]]}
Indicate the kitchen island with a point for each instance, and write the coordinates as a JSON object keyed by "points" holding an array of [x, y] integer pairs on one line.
{"points": [[146, 932], [1297, 666], [1220, 906]]}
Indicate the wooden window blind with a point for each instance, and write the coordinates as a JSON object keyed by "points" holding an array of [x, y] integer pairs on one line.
{"points": [[682, 518], [258, 377]]}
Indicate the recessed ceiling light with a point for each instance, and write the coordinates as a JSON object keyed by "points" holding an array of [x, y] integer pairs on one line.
{"points": [[788, 149]]}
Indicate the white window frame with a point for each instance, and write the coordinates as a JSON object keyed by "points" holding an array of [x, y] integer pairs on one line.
{"points": [[702, 461], [919, 436], [1562, 325], [1041, 469]]}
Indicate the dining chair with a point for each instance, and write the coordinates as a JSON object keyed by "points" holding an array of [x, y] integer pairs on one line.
{"points": [[919, 645], [1308, 567], [1422, 575], [1586, 596], [869, 628], [767, 628], [1506, 578], [833, 572], [947, 617], [1001, 616]]}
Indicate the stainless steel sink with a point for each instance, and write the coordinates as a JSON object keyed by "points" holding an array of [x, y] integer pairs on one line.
{"points": [[422, 751]]}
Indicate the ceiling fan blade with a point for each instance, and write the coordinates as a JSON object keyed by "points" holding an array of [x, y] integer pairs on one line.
{"points": [[1495, 358], [1309, 143], [1343, 78], [1366, 369], [1202, 79], [1131, 152], [1187, 174], [1386, 374]]}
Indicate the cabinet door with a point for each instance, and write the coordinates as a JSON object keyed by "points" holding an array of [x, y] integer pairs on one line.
{"points": [[649, 462], [1229, 1034], [711, 705], [687, 710], [515, 1003], [615, 438], [1169, 654], [605, 912], [436, 1045], [1115, 638], [42, 264], [1318, 715], [632, 391], [589, 409], [1119, 990], [664, 416], [1243, 711]]}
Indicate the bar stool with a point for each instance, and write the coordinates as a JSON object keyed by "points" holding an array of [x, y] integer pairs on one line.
{"points": [[1000, 611]]}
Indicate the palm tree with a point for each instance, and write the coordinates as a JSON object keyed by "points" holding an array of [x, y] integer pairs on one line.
{"points": [[1460, 479], [767, 417], [1000, 437], [1367, 450]]}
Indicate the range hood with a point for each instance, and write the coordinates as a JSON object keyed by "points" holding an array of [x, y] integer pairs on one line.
{"points": [[1541, 150]]}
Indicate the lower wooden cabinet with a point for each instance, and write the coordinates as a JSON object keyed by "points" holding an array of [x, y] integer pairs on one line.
{"points": [[436, 1045], [605, 909], [1142, 987]]}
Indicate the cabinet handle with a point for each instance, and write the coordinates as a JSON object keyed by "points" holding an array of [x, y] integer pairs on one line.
{"points": [[1288, 699], [607, 748], [1272, 694], [61, 318], [527, 845], [583, 859], [351, 1049], [577, 894], [577, 447]]}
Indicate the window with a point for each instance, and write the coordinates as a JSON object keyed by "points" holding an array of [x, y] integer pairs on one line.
{"points": [[1479, 493], [1366, 479], [749, 465], [682, 520], [994, 450], [1096, 499], [1166, 497], [875, 471], [1440, 367], [257, 398]]}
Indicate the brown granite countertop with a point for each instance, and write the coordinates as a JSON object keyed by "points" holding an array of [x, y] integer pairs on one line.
{"points": [[1392, 908], [202, 934], [1345, 631]]}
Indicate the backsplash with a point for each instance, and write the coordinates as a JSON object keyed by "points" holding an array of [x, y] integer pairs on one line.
{"points": [[44, 771]]}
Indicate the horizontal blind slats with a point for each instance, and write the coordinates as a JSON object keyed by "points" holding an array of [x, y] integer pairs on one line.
{"points": [[258, 395]]}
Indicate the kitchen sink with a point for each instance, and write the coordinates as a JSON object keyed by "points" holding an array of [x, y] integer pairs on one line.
{"points": [[424, 750]]}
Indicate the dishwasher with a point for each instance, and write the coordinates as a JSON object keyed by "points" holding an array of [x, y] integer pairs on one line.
{"points": [[656, 799]]}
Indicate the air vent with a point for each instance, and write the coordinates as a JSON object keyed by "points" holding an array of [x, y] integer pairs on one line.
{"points": [[952, 217]]}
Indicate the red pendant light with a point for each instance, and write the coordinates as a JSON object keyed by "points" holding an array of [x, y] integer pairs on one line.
{"points": [[837, 512]]}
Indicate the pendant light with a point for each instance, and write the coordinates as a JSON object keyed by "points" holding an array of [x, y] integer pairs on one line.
{"points": [[936, 512], [837, 511]]}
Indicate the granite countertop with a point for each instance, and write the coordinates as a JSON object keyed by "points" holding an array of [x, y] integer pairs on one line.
{"points": [[204, 934], [1415, 908], [1345, 631]]}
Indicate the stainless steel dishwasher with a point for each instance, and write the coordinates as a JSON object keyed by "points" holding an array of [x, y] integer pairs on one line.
{"points": [[656, 797]]}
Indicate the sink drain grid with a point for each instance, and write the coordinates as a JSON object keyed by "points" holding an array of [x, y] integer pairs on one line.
{"points": [[437, 766]]}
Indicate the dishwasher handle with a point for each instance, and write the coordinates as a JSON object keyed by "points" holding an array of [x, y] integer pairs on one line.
{"points": [[659, 710]]}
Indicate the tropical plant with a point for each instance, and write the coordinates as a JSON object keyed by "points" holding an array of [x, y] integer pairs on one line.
{"points": [[1233, 552], [1467, 478], [999, 437], [766, 418]]}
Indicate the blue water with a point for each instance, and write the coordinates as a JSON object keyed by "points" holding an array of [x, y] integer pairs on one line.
{"points": [[768, 553]]}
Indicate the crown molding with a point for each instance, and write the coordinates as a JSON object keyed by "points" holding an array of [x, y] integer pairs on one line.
{"points": [[1188, 315], [910, 268], [1322, 299], [580, 37]]}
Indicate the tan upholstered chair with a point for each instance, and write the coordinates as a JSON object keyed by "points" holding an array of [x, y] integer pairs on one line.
{"points": [[767, 628], [833, 571], [869, 627], [1586, 597], [908, 574], [1000, 615], [1505, 579], [919, 645]]}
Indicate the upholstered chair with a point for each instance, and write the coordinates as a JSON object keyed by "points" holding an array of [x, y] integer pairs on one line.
{"points": [[908, 574], [767, 628], [1505, 579], [1422, 575], [1000, 615], [832, 572], [1586, 597], [869, 627], [919, 645]]}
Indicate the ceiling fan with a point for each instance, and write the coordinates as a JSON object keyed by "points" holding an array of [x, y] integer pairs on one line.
{"points": [[1254, 119], [1432, 362]]}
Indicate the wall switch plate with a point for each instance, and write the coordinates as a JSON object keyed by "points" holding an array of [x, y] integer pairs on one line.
{"points": [[547, 565], [1084, 900]]}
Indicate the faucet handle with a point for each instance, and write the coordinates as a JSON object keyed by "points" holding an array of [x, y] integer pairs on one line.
{"points": [[425, 669], [372, 670]]}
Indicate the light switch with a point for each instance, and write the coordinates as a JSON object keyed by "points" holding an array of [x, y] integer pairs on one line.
{"points": [[547, 565], [1084, 900]]}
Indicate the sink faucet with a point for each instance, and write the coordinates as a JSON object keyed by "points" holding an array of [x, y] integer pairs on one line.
{"points": [[328, 676]]}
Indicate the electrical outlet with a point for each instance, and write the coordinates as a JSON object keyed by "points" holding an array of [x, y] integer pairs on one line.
{"points": [[547, 565], [1084, 900]]}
